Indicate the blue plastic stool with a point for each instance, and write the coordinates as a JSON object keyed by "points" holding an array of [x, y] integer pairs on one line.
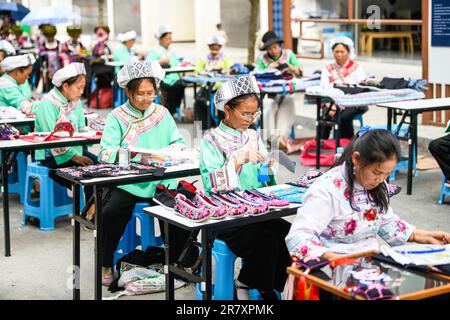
{"points": [[53, 199], [403, 163], [130, 239], [119, 96], [16, 179], [223, 288], [445, 191]]}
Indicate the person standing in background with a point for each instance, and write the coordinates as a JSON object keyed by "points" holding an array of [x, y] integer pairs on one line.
{"points": [[295, 27]]}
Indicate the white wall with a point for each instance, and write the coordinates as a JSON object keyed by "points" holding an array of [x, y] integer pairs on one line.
{"points": [[207, 15]]}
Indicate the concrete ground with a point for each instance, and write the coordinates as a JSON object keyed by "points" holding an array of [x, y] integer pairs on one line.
{"points": [[40, 266]]}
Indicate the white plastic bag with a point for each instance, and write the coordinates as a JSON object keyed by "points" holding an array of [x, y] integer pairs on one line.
{"points": [[140, 281]]}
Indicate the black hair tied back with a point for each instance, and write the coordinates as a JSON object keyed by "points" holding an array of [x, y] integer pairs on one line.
{"points": [[374, 146]]}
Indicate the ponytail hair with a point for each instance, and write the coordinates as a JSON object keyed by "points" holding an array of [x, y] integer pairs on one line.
{"points": [[374, 146]]}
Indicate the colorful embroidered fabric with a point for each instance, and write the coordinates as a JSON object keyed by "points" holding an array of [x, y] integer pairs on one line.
{"points": [[109, 170], [366, 98], [8, 132]]}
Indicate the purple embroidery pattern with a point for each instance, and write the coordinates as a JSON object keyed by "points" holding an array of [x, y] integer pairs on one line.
{"points": [[106, 170]]}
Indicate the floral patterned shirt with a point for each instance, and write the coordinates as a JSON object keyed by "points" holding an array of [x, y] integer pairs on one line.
{"points": [[327, 222]]}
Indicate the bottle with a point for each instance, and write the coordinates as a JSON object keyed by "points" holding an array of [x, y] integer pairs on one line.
{"points": [[124, 154], [338, 154], [73, 120]]}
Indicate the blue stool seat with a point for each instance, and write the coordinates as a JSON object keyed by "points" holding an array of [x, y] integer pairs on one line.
{"points": [[16, 179], [53, 199], [130, 238], [223, 287], [445, 191]]}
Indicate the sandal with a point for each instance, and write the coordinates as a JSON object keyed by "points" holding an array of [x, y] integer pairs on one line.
{"points": [[188, 210]]}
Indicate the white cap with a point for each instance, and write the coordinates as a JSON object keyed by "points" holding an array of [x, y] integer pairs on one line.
{"points": [[348, 42], [233, 89], [216, 40], [130, 35], [7, 47], [72, 70], [14, 62], [139, 70], [165, 28]]}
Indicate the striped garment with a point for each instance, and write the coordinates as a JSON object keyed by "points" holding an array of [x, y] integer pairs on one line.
{"points": [[366, 98]]}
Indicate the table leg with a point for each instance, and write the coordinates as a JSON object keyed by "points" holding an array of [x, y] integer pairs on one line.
{"points": [[207, 270], [389, 119], [412, 149], [98, 191], [76, 242], [208, 111], [402, 45], [369, 45], [5, 155], [337, 128], [261, 117], [170, 285], [319, 102], [411, 44]]}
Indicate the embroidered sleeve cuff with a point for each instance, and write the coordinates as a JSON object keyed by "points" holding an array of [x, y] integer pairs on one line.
{"points": [[397, 233], [225, 179], [302, 247]]}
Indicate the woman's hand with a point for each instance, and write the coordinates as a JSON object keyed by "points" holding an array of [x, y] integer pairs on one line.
{"points": [[82, 160], [430, 237], [331, 255], [274, 65], [252, 156]]}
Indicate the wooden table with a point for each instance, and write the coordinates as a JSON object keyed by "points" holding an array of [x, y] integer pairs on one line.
{"points": [[9, 146], [414, 285], [366, 39]]}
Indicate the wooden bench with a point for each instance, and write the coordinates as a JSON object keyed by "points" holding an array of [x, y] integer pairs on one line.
{"points": [[366, 39]]}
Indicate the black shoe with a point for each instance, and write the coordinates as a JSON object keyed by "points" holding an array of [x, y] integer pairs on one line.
{"points": [[165, 197], [187, 189]]}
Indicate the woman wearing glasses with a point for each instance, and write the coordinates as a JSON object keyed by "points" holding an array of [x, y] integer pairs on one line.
{"points": [[230, 159], [138, 123]]}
